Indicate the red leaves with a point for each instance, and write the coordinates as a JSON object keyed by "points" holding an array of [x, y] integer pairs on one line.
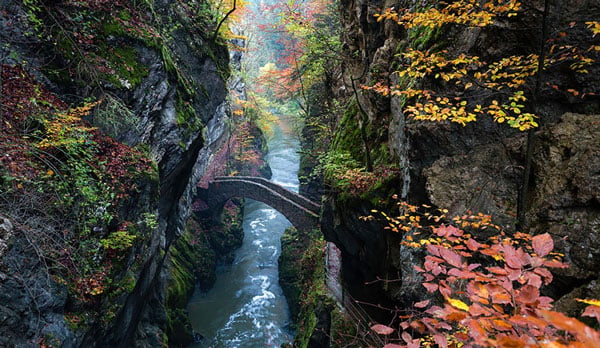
{"points": [[440, 340], [447, 231], [528, 295], [592, 311], [515, 257], [421, 304], [431, 287], [451, 257], [583, 333], [542, 244], [382, 329], [473, 245], [498, 303]]}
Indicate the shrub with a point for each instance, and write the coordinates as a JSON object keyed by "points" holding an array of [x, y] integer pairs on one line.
{"points": [[485, 292]]}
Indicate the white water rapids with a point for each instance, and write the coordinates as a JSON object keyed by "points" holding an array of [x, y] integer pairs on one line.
{"points": [[246, 307]]}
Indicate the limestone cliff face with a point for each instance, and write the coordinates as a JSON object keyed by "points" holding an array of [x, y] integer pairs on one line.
{"points": [[477, 167], [165, 82]]}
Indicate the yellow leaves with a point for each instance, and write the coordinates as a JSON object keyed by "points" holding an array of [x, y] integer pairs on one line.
{"points": [[389, 13], [443, 108], [66, 128], [458, 304], [589, 302], [464, 12], [594, 27]]}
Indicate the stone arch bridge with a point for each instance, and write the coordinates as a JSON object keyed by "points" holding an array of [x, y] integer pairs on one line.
{"points": [[300, 211]]}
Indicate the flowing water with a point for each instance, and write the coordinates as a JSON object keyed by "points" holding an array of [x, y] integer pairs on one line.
{"points": [[246, 307]]}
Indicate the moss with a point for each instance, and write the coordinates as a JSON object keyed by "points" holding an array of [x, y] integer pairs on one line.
{"points": [[347, 136], [228, 235], [308, 325], [293, 246], [128, 70], [423, 37], [187, 118], [302, 277], [185, 113], [343, 329], [181, 267]]}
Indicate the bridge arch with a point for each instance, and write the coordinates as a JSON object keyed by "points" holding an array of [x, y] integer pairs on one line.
{"points": [[300, 211]]}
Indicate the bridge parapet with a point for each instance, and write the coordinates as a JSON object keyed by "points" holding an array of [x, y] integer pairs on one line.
{"points": [[301, 212], [293, 196]]}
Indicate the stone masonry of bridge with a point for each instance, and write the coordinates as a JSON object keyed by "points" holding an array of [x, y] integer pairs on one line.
{"points": [[300, 211]]}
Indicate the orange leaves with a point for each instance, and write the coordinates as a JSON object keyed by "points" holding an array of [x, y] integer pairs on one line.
{"points": [[583, 333], [67, 128], [594, 27], [527, 295]]}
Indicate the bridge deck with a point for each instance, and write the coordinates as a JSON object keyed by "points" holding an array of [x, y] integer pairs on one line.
{"points": [[303, 213]]}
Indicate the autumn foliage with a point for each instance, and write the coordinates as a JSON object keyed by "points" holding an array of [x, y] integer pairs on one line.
{"points": [[484, 292], [64, 183], [439, 85]]}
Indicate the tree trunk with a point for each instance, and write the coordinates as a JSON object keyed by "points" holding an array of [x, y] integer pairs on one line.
{"points": [[523, 192]]}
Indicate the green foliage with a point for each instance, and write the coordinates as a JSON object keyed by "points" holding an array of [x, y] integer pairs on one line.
{"points": [[119, 240], [172, 66], [73, 181], [186, 116], [343, 329], [33, 15], [150, 221], [302, 277], [343, 173], [335, 165], [114, 118]]}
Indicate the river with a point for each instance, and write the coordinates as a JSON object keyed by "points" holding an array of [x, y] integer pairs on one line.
{"points": [[246, 306]]}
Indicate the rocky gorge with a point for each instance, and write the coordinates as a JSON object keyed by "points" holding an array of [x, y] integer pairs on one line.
{"points": [[162, 84], [116, 116]]}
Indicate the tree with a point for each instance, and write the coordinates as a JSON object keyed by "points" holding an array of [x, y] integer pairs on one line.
{"points": [[440, 85]]}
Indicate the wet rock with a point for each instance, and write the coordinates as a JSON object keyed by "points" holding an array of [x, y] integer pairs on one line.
{"points": [[473, 182], [5, 235], [565, 196]]}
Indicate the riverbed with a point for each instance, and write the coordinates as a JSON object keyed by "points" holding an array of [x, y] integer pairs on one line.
{"points": [[246, 307]]}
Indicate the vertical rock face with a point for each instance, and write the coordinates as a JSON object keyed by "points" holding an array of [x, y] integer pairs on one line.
{"points": [[478, 167], [172, 95]]}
